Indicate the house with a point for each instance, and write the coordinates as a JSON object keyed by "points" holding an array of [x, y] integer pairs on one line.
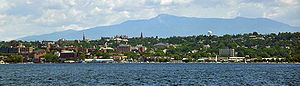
{"points": [[37, 54], [139, 48], [123, 48], [206, 46]]}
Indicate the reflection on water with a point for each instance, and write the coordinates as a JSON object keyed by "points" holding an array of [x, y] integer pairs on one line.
{"points": [[150, 74]]}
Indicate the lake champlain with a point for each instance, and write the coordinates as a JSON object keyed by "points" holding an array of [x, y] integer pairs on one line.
{"points": [[150, 74]]}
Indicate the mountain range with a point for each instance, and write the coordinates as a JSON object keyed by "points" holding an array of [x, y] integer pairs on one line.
{"points": [[165, 25]]}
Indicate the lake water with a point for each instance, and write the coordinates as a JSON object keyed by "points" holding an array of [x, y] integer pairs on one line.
{"points": [[150, 74]]}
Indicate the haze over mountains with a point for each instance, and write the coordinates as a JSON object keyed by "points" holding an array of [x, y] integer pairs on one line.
{"points": [[168, 25]]}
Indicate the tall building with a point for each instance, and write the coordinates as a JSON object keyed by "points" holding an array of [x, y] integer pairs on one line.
{"points": [[229, 52]]}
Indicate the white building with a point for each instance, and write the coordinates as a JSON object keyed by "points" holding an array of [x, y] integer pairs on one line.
{"points": [[229, 52]]}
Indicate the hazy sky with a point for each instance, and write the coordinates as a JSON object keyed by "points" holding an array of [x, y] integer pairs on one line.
{"points": [[20, 18]]}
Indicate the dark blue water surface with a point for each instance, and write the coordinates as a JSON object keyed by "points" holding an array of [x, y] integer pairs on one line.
{"points": [[150, 74]]}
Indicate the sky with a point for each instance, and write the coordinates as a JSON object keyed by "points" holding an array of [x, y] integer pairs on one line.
{"points": [[21, 18]]}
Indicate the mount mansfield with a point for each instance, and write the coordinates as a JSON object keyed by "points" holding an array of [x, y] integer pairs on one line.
{"points": [[168, 25]]}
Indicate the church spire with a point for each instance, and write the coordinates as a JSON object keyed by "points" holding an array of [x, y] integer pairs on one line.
{"points": [[83, 37], [141, 35]]}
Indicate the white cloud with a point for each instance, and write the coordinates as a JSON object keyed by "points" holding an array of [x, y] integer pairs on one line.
{"points": [[73, 27], [72, 2], [28, 2], [4, 5], [33, 17], [293, 2], [166, 2], [125, 13]]}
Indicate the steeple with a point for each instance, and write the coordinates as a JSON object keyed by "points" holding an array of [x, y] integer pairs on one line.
{"points": [[141, 35], [83, 38]]}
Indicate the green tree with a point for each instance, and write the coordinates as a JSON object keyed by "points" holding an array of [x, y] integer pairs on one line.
{"points": [[82, 57], [51, 58]]}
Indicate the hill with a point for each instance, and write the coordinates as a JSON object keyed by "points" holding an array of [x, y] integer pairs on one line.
{"points": [[168, 25]]}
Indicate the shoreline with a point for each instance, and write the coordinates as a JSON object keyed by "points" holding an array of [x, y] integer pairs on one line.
{"points": [[170, 63]]}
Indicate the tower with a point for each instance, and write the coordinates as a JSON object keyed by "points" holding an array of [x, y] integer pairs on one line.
{"points": [[83, 37], [141, 35]]}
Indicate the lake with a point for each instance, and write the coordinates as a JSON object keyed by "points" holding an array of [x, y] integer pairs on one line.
{"points": [[150, 74]]}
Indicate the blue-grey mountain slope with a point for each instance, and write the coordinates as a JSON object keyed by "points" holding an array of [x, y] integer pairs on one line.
{"points": [[168, 25]]}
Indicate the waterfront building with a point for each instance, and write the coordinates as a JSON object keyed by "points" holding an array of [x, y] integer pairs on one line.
{"points": [[229, 52], [99, 60], [270, 59], [236, 59]]}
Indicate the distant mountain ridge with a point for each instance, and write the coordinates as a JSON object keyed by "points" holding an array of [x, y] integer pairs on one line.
{"points": [[168, 25]]}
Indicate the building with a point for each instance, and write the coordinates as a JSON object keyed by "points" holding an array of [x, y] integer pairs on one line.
{"points": [[161, 45], [62, 40], [22, 50], [270, 59], [15, 44], [25, 50], [255, 37], [123, 48], [67, 54], [122, 36], [13, 47], [139, 48], [8, 50], [37, 54], [47, 43], [236, 59], [99, 60], [206, 46], [229, 52]]}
